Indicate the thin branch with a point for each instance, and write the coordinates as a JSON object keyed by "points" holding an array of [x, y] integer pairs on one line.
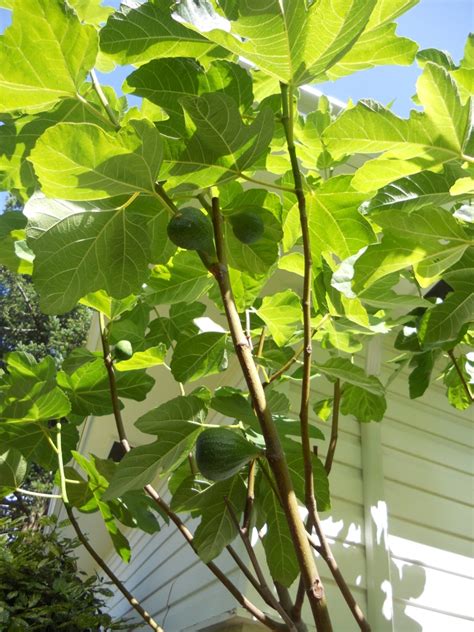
{"points": [[109, 365], [245, 570], [274, 452], [310, 499], [300, 595], [287, 604], [325, 551], [264, 588], [151, 491], [128, 595], [294, 357], [287, 120], [299, 600], [103, 99], [461, 375], [334, 426]]}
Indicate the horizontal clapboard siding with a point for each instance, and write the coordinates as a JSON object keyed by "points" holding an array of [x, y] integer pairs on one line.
{"points": [[428, 479], [171, 582]]}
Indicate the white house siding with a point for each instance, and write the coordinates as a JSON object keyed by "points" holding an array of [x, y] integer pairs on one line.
{"points": [[428, 480]]}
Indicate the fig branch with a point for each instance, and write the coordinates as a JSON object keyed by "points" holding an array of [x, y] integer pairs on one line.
{"points": [[274, 452], [110, 574], [287, 119]]}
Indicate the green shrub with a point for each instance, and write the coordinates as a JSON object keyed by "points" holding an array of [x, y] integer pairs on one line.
{"points": [[41, 587]]}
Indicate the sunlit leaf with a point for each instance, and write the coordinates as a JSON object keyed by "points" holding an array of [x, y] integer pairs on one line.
{"points": [[443, 322], [430, 239], [80, 250], [149, 32], [281, 313], [31, 80], [290, 41], [83, 162], [409, 145], [335, 223]]}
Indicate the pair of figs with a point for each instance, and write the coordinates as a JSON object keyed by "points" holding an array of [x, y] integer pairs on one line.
{"points": [[192, 230], [221, 453]]}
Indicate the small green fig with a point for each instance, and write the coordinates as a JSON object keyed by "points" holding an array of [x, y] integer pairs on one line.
{"points": [[191, 229], [221, 453], [123, 350]]}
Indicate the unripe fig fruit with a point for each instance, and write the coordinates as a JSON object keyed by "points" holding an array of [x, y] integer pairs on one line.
{"points": [[191, 229], [221, 453], [123, 350]]}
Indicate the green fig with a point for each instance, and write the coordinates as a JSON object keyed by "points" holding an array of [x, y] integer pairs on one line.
{"points": [[248, 227], [191, 229], [221, 453], [123, 350]]}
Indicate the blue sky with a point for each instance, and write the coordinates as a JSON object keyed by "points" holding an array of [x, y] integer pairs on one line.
{"points": [[442, 24]]}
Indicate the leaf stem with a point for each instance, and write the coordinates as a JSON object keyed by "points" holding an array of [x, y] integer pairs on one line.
{"points": [[62, 476], [36, 494], [151, 491], [250, 497], [94, 111], [272, 185], [334, 426], [103, 99], [274, 452], [294, 357], [93, 553], [165, 199]]}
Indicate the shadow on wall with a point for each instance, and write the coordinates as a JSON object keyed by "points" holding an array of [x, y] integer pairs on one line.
{"points": [[408, 583]]}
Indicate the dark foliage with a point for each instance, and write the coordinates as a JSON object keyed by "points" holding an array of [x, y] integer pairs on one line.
{"points": [[42, 589]]}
